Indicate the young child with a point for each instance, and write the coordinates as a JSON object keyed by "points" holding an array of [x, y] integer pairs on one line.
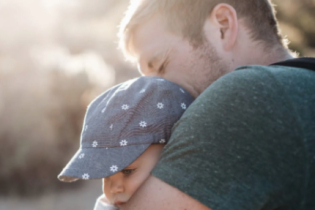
{"points": [[123, 134]]}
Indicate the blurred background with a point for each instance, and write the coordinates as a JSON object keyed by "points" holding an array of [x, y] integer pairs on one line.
{"points": [[55, 57]]}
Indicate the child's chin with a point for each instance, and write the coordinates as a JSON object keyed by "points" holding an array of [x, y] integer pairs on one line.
{"points": [[119, 204]]}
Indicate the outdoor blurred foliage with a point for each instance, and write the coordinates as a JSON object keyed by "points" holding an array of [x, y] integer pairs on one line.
{"points": [[297, 23], [55, 57]]}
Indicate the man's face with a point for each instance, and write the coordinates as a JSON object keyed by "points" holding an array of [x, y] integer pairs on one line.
{"points": [[165, 54], [119, 187]]}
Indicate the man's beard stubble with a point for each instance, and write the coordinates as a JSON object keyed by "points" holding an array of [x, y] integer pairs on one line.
{"points": [[210, 68]]}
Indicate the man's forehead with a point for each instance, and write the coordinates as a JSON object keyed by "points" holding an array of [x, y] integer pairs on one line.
{"points": [[150, 35]]}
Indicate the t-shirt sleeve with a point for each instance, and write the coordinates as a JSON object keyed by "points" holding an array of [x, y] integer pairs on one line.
{"points": [[238, 146]]}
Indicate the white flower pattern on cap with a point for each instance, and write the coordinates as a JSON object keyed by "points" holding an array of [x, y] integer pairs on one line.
{"points": [[143, 124], [94, 144], [81, 156], [160, 105], [125, 107], [123, 142], [85, 176], [124, 104], [162, 141], [113, 168]]}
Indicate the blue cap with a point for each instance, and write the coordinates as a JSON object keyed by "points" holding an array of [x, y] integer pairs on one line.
{"points": [[122, 123]]}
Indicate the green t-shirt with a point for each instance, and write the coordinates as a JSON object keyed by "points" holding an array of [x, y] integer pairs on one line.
{"points": [[247, 142]]}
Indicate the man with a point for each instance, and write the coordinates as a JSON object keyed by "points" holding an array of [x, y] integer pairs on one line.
{"points": [[248, 141]]}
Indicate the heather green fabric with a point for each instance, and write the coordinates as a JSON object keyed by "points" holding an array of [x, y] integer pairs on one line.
{"points": [[247, 142]]}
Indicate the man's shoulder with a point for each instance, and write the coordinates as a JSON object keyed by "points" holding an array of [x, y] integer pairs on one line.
{"points": [[279, 71], [259, 72], [258, 89], [245, 76], [243, 82], [257, 79], [249, 93]]}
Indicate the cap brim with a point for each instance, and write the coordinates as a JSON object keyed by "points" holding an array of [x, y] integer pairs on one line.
{"points": [[97, 163]]}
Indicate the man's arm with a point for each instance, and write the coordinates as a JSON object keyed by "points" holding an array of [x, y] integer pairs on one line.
{"points": [[155, 194]]}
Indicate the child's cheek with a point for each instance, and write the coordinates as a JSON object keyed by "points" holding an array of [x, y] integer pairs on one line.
{"points": [[135, 181]]}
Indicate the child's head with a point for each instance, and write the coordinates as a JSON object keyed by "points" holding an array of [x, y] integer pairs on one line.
{"points": [[123, 134], [119, 188]]}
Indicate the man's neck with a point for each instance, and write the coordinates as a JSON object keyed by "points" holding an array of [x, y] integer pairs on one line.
{"points": [[256, 54], [273, 55]]}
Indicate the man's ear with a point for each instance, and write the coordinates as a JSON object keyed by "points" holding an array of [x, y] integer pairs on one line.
{"points": [[225, 19]]}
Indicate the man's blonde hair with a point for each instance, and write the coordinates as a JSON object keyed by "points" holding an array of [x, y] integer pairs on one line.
{"points": [[187, 18]]}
